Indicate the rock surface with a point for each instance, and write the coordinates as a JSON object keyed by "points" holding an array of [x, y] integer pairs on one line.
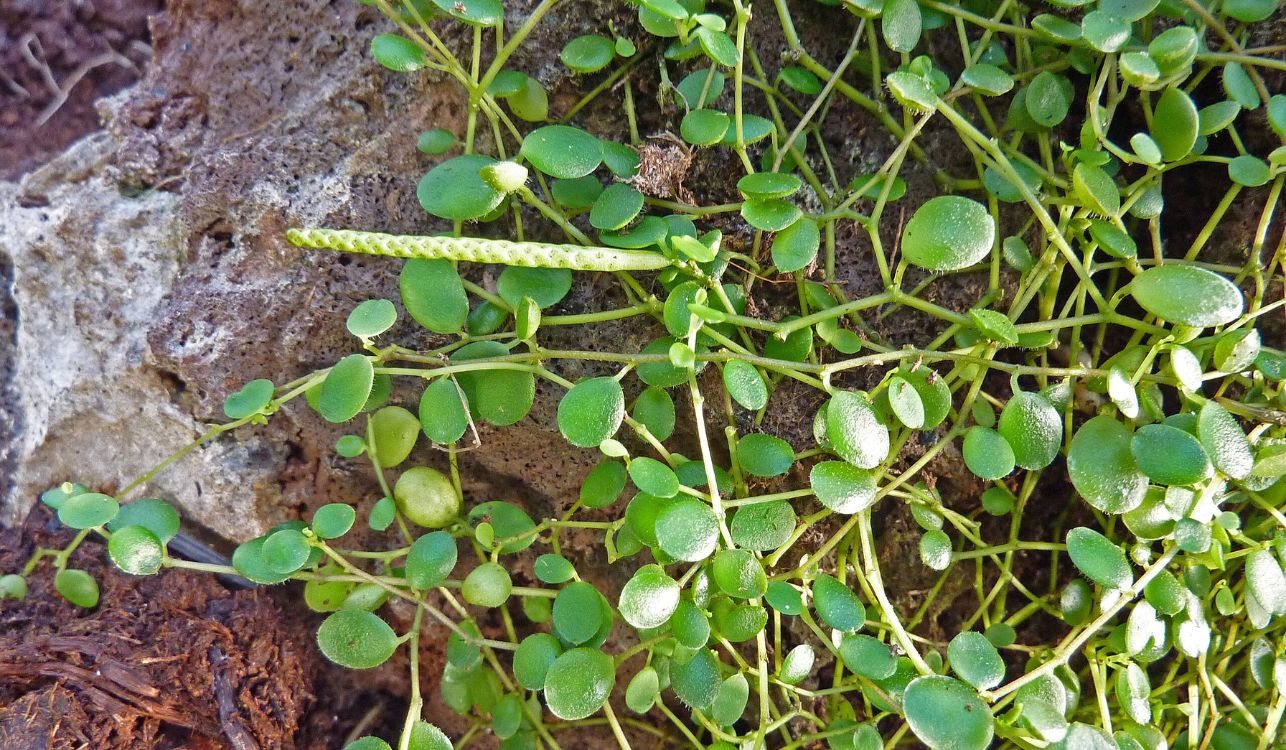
{"points": [[152, 279]]}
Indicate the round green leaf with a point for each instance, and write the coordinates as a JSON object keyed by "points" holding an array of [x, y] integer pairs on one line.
{"points": [[426, 497], [1173, 50], [501, 397], [578, 612], [578, 683], [87, 510], [155, 515], [935, 549], [136, 550], [654, 477], [947, 714], [553, 569], [730, 702], [687, 530], [842, 487], [770, 214], [1048, 99], [371, 318], [987, 79], [397, 53], [356, 639], [1096, 190], [900, 24], [615, 207], [443, 416], [603, 484], [430, 560], [547, 286], [765, 455], [642, 692], [855, 431], [248, 559], [1188, 295], [367, 743], [801, 80], [77, 587], [474, 12], [507, 521], [784, 598], [1249, 170], [1102, 467], [395, 431], [285, 551], [867, 656], [1174, 124], [649, 597], [591, 411], [763, 526], [1169, 455], [1224, 441], [1112, 240], [487, 585], [253, 398], [1099, 559], [588, 53], [745, 384], [739, 574], [718, 46], [769, 185], [333, 520], [948, 233], [436, 141], [797, 665], [976, 660], [704, 127], [905, 402], [535, 655], [696, 681], [655, 409], [794, 247], [1033, 428], [562, 151], [987, 453], [455, 189], [1106, 32], [837, 605]]}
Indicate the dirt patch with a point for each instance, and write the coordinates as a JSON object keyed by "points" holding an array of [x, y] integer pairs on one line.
{"points": [[171, 661]]}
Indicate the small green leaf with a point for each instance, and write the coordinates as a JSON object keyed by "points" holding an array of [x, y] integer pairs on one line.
{"points": [[77, 587], [455, 189], [136, 550], [649, 597], [346, 388], [797, 665], [553, 569], [588, 53], [1032, 428], [994, 326], [534, 657], [763, 526], [1169, 455], [1188, 295], [397, 53], [1249, 171], [855, 430], [696, 681], [356, 639], [591, 411], [155, 515], [868, 656], [687, 530], [900, 24], [987, 79], [253, 398], [976, 660], [654, 477], [578, 612], [603, 484], [905, 402], [784, 598], [547, 286], [769, 185], [764, 455], [430, 560], [911, 91], [842, 487], [87, 510], [948, 233], [616, 207], [987, 453], [1224, 441], [285, 551], [371, 318], [1048, 99], [1102, 468], [739, 574], [562, 151], [436, 141], [837, 605], [718, 46], [1096, 190], [487, 585], [1266, 582], [474, 12], [443, 416], [947, 714], [643, 690], [578, 683], [935, 549], [333, 520], [730, 703], [1174, 124], [426, 497], [434, 295], [704, 127], [745, 384], [794, 247], [801, 80], [1099, 559], [770, 214]]}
